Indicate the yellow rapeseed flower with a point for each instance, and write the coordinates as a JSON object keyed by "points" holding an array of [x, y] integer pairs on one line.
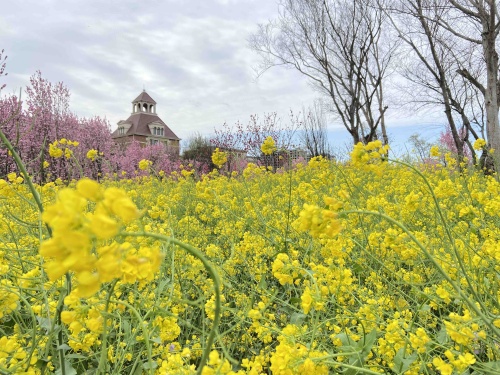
{"points": [[92, 154], [306, 300], [89, 189], [55, 151], [479, 144], [442, 366], [219, 157], [103, 226], [435, 151], [144, 164], [318, 221], [12, 177], [268, 146]]}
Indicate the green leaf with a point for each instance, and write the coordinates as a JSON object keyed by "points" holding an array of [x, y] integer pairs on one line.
{"points": [[126, 327], [402, 364], [487, 282], [346, 340], [357, 268], [263, 283], [69, 370], [363, 348], [442, 336], [297, 318], [76, 356], [156, 340], [367, 343], [45, 323], [63, 347], [162, 285], [425, 308], [488, 368], [146, 366]]}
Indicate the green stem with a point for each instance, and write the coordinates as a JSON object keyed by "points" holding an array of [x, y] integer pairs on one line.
{"points": [[58, 322], [23, 170], [213, 275], [144, 329], [104, 350], [359, 370]]}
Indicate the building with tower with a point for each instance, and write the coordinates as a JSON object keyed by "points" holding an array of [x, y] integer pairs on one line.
{"points": [[145, 126]]}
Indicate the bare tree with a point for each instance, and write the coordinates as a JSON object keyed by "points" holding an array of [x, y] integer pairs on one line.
{"points": [[417, 27], [337, 45], [420, 148], [477, 22], [314, 135], [434, 57]]}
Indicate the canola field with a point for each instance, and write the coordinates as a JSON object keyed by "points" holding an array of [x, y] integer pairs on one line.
{"points": [[366, 267]]}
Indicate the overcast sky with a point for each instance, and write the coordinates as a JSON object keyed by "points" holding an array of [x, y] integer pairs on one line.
{"points": [[192, 57]]}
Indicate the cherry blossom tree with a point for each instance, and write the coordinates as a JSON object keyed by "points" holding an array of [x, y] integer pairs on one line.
{"points": [[45, 118], [10, 119], [94, 134], [447, 140]]}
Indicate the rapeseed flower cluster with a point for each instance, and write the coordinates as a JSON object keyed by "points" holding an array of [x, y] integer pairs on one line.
{"points": [[8, 299], [76, 232], [92, 154], [62, 147], [479, 144], [292, 357], [145, 164], [268, 146], [219, 158], [317, 221], [372, 152]]}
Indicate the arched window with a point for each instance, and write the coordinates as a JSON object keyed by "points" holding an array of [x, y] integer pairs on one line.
{"points": [[145, 107], [161, 131]]}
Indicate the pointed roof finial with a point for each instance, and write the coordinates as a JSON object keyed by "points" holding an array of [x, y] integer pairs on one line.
{"points": [[144, 97], [143, 87]]}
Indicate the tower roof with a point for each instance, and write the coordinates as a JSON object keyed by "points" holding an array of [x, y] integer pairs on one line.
{"points": [[144, 97], [139, 126]]}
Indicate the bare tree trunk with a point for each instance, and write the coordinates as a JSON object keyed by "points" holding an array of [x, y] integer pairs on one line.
{"points": [[491, 94], [483, 15]]}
